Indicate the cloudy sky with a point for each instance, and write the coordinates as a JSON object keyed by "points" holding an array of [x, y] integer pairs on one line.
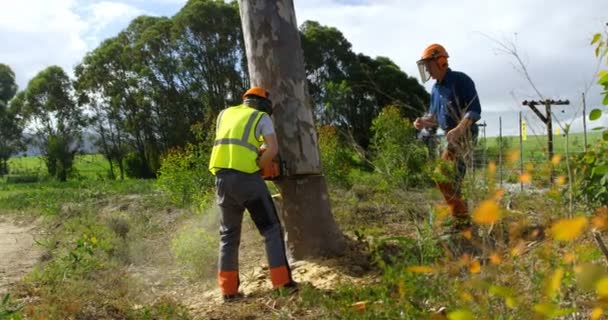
{"points": [[552, 40]]}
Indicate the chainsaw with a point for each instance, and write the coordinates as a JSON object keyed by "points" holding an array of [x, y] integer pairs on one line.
{"points": [[276, 168]]}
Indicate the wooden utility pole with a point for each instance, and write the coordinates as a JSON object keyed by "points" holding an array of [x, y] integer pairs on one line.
{"points": [[547, 120], [276, 62]]}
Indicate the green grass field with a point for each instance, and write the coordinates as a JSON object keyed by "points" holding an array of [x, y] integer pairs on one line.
{"points": [[87, 165], [535, 147]]}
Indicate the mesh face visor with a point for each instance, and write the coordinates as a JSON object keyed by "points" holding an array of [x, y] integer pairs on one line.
{"points": [[423, 68]]}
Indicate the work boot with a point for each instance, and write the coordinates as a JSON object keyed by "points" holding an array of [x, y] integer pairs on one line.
{"points": [[228, 298]]}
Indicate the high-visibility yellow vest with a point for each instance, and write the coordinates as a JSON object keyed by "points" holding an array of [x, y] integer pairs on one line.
{"points": [[236, 146]]}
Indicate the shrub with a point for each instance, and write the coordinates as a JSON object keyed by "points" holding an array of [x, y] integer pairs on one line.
{"points": [[335, 156], [184, 175], [591, 174], [396, 152], [135, 167]]}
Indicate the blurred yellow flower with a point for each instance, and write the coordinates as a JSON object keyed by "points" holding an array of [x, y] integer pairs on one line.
{"points": [[601, 287], [568, 229], [554, 283], [420, 269], [495, 258], [464, 260], [596, 313], [487, 212], [461, 315], [560, 181], [498, 195], [600, 221], [556, 159], [569, 257], [512, 156], [492, 167], [511, 302], [467, 234], [525, 178], [475, 267], [466, 296]]}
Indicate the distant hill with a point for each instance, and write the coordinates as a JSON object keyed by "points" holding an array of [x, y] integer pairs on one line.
{"points": [[86, 146]]}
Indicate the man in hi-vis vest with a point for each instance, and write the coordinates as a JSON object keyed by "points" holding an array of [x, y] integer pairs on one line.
{"points": [[236, 164]]}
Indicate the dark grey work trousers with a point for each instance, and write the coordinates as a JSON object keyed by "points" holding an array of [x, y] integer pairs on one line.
{"points": [[237, 191]]}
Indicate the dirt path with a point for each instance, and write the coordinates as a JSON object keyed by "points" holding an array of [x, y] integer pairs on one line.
{"points": [[18, 252]]}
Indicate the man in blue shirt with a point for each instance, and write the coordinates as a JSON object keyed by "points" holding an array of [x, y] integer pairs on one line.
{"points": [[455, 108]]}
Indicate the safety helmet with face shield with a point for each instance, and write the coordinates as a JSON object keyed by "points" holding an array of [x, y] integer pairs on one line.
{"points": [[434, 53]]}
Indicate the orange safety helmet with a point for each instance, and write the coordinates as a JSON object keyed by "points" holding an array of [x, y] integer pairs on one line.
{"points": [[263, 103], [433, 52], [257, 91]]}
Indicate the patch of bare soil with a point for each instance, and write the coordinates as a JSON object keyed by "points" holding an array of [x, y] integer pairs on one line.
{"points": [[18, 251], [202, 296], [261, 302]]}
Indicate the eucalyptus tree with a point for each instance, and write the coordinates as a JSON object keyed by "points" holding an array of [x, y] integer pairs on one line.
{"points": [[55, 118], [213, 65], [11, 126], [349, 90]]}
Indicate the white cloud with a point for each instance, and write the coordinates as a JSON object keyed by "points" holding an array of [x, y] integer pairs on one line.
{"points": [[105, 13], [552, 39], [38, 33]]}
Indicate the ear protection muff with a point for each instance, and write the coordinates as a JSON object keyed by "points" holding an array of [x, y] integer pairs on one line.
{"points": [[442, 61]]}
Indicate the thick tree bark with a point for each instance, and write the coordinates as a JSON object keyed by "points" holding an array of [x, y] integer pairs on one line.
{"points": [[276, 62]]}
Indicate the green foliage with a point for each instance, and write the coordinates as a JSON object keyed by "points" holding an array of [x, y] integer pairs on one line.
{"points": [[8, 309], [591, 169], [396, 152], [591, 174], [48, 197], [184, 173], [11, 124], [57, 119], [335, 156], [136, 167], [348, 89], [8, 85], [165, 308]]}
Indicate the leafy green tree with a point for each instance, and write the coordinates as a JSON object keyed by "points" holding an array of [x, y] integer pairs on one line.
{"points": [[56, 118], [8, 86], [156, 79], [11, 126], [209, 41], [349, 89]]}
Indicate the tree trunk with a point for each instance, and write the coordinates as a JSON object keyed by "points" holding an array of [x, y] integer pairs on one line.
{"points": [[276, 62]]}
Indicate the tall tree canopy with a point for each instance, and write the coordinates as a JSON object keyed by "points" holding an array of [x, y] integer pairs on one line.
{"points": [[155, 80], [11, 126], [147, 86], [349, 89], [56, 119]]}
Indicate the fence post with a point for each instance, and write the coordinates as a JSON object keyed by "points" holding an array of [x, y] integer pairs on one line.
{"points": [[500, 149], [521, 156]]}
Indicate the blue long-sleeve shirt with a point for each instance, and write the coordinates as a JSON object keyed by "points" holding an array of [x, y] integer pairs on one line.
{"points": [[453, 99]]}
